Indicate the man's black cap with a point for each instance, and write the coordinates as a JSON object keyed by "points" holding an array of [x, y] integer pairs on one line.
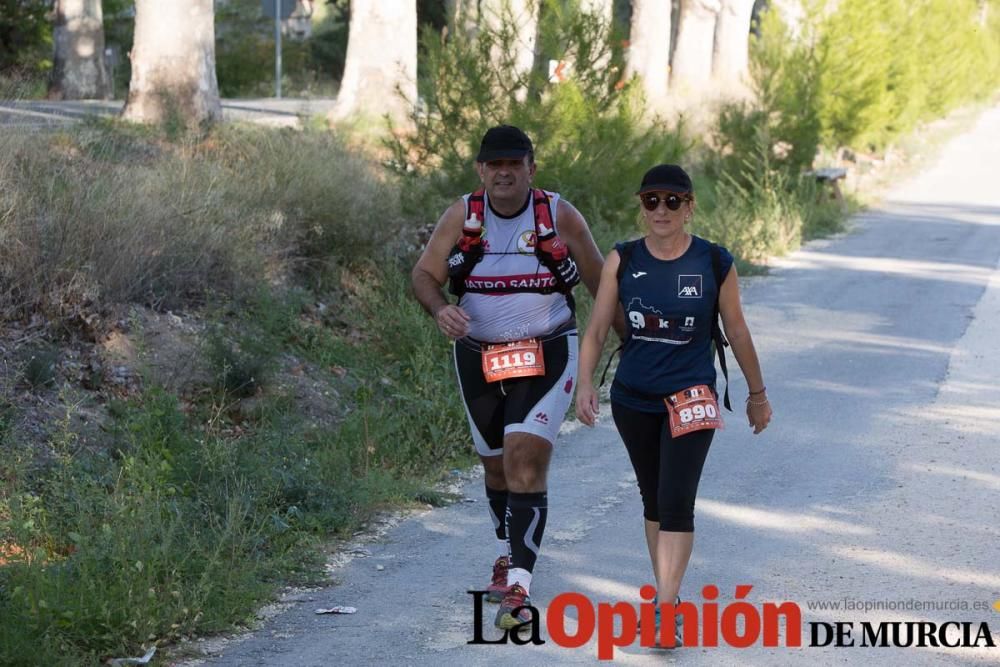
{"points": [[668, 177], [502, 142]]}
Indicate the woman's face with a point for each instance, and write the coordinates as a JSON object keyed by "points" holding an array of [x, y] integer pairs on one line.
{"points": [[665, 213]]}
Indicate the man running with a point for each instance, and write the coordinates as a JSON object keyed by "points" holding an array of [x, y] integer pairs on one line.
{"points": [[512, 254]]}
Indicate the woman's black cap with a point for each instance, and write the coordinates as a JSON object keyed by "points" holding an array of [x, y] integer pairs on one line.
{"points": [[502, 142], [665, 177]]}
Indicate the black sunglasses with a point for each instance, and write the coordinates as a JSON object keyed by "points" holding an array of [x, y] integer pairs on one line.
{"points": [[673, 202]]}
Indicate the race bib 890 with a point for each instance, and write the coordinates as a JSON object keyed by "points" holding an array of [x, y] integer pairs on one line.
{"points": [[693, 409]]}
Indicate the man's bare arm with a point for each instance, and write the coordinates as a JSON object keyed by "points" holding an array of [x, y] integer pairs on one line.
{"points": [[576, 235], [431, 272]]}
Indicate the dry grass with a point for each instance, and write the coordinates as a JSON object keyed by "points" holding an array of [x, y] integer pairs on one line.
{"points": [[105, 213]]}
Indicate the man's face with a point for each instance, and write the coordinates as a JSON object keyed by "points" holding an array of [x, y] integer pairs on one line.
{"points": [[507, 178]]}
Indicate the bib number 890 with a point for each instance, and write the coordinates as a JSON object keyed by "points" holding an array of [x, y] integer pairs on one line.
{"points": [[697, 412]]}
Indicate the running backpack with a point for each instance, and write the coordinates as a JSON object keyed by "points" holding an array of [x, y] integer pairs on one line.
{"points": [[718, 338]]}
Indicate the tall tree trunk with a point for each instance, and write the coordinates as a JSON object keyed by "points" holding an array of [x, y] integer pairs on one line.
{"points": [[381, 60], [78, 70], [524, 14], [691, 70], [732, 43], [603, 8], [463, 17], [173, 63], [649, 49]]}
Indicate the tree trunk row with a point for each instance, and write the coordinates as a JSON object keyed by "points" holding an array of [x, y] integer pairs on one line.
{"points": [[173, 60], [711, 51]]}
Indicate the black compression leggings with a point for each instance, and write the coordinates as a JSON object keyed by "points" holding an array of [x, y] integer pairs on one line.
{"points": [[668, 470]]}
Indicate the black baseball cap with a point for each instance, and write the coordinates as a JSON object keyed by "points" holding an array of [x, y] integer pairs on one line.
{"points": [[668, 177], [504, 141]]}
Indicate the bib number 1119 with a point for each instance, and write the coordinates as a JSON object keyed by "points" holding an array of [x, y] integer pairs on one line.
{"points": [[513, 360], [521, 358]]}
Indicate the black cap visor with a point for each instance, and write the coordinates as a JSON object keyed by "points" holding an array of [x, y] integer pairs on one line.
{"points": [[501, 154], [664, 187]]}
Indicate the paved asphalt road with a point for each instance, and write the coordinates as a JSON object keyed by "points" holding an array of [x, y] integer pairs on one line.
{"points": [[878, 481], [34, 114]]}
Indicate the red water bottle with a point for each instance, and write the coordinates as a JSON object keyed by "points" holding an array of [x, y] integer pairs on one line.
{"points": [[472, 233]]}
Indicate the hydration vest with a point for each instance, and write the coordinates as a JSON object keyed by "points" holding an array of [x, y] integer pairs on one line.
{"points": [[541, 205]]}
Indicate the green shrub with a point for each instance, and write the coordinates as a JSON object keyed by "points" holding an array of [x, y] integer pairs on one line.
{"points": [[870, 72], [579, 127], [25, 36], [39, 369], [785, 73], [854, 52]]}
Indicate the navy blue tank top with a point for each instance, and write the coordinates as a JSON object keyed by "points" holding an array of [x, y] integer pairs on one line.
{"points": [[668, 308]]}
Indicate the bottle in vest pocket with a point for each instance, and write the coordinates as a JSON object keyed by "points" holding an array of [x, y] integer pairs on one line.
{"points": [[472, 232], [554, 254], [467, 252]]}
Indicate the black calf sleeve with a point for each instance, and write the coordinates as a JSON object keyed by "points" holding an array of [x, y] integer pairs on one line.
{"points": [[526, 514], [498, 511]]}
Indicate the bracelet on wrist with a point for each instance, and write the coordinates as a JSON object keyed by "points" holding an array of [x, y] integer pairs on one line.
{"points": [[762, 390], [757, 403]]}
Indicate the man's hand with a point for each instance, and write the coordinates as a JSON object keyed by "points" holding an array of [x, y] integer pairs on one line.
{"points": [[452, 321]]}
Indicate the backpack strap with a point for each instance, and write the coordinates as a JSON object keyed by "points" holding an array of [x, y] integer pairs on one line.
{"points": [[624, 257], [542, 204], [475, 205], [718, 338]]}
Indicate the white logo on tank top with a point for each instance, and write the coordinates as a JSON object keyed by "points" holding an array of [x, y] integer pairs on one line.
{"points": [[689, 286], [526, 243]]}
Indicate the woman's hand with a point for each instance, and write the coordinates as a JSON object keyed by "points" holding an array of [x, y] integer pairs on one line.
{"points": [[587, 404], [758, 412]]}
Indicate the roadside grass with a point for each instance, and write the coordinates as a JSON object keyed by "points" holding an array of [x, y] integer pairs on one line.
{"points": [[188, 518], [179, 527]]}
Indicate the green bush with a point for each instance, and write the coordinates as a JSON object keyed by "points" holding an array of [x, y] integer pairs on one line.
{"points": [[854, 52], [869, 72], [25, 36], [751, 205], [785, 73]]}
